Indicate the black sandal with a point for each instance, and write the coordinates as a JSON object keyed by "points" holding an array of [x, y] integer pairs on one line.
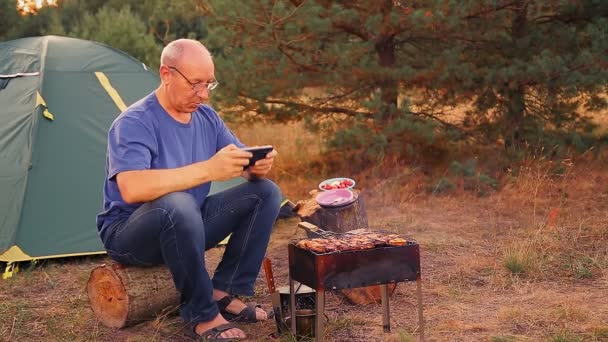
{"points": [[247, 315], [212, 335]]}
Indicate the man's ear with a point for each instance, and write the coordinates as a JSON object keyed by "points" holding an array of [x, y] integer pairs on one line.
{"points": [[164, 73]]}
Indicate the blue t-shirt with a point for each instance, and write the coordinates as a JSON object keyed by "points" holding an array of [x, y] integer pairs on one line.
{"points": [[145, 137]]}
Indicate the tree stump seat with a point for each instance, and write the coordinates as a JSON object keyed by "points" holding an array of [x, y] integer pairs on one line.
{"points": [[122, 296]]}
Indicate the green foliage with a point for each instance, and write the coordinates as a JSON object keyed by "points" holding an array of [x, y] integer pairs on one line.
{"points": [[580, 267], [583, 271], [10, 20], [444, 185], [539, 87], [520, 259], [468, 177], [120, 29], [515, 264], [405, 336], [566, 336], [503, 339], [467, 170], [140, 28], [601, 333], [406, 135]]}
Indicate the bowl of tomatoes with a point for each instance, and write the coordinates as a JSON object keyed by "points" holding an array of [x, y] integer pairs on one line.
{"points": [[337, 183]]}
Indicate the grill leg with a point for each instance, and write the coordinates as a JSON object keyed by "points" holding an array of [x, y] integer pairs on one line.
{"points": [[420, 317], [386, 315], [292, 306], [319, 315]]}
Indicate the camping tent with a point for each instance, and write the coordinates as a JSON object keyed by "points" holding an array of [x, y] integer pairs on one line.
{"points": [[58, 97]]}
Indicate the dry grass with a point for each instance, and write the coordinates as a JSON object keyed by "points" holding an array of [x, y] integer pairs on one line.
{"points": [[527, 263]]}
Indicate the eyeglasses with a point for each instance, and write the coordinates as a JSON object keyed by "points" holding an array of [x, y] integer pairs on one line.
{"points": [[198, 86]]}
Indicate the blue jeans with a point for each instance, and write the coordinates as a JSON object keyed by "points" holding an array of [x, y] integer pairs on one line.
{"points": [[175, 231]]}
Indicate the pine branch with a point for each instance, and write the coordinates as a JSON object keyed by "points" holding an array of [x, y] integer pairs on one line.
{"points": [[301, 39], [479, 14], [299, 105], [557, 75], [352, 29], [324, 101], [443, 122], [269, 12], [569, 18], [168, 27], [282, 47], [353, 5], [204, 7], [445, 37], [293, 60], [156, 34], [244, 21], [289, 16], [341, 110]]}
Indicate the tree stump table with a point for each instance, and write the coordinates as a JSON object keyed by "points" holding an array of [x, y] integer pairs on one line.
{"points": [[337, 219]]}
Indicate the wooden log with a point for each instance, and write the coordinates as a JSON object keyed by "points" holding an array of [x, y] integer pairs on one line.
{"points": [[124, 296], [367, 295], [338, 219]]}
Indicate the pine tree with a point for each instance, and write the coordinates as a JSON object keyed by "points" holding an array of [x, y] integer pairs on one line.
{"points": [[397, 69], [531, 69], [10, 17], [326, 62]]}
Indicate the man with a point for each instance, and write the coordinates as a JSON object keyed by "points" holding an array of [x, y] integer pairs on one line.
{"points": [[162, 153]]}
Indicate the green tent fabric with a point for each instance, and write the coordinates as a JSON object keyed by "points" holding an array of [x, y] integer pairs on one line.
{"points": [[58, 97]]}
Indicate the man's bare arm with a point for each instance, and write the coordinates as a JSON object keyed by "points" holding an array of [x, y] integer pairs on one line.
{"points": [[147, 185]]}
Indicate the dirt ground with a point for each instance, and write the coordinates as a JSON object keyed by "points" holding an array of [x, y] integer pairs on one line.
{"points": [[469, 294]]}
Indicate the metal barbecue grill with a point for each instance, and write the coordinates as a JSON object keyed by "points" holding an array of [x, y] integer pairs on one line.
{"points": [[351, 269]]}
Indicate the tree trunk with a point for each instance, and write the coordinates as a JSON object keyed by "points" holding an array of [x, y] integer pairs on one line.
{"points": [[123, 296], [385, 48], [515, 118], [384, 45], [367, 295], [515, 94]]}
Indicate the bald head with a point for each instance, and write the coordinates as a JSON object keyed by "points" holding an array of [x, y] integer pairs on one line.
{"points": [[182, 49], [186, 65]]}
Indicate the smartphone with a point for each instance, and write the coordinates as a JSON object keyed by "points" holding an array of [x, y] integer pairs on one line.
{"points": [[259, 152]]}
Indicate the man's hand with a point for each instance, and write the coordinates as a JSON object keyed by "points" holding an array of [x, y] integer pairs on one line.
{"points": [[262, 166], [227, 163]]}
